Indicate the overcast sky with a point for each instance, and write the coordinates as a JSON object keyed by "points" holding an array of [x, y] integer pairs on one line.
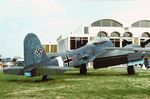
{"points": [[51, 18]]}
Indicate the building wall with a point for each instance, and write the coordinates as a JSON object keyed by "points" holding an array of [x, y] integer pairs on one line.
{"points": [[62, 45], [50, 48], [76, 40], [126, 35]]}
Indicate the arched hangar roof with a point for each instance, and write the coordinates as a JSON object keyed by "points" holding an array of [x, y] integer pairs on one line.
{"points": [[107, 23], [141, 23]]}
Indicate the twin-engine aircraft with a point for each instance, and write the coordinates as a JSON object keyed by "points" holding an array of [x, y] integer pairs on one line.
{"points": [[100, 51]]}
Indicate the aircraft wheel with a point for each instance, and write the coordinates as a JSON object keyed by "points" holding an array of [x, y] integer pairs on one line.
{"points": [[141, 65], [45, 78], [130, 70], [83, 69]]}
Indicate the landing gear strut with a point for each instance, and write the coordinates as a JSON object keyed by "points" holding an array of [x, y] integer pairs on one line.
{"points": [[83, 69], [130, 70], [45, 78]]}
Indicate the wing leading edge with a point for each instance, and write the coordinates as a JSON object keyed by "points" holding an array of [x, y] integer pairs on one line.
{"points": [[129, 49]]}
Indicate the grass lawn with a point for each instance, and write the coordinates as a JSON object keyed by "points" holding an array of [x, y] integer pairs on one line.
{"points": [[107, 83]]}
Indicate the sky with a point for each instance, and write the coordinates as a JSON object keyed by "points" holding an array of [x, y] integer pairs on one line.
{"points": [[49, 19]]}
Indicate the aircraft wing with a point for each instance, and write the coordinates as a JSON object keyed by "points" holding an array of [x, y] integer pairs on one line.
{"points": [[112, 53], [117, 51], [129, 49], [113, 56]]}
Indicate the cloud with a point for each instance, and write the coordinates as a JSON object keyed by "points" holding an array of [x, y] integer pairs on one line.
{"points": [[55, 27], [14, 8], [107, 0], [19, 17], [137, 10], [43, 8]]}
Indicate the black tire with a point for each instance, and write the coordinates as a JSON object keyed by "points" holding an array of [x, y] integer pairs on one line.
{"points": [[45, 78], [141, 65], [83, 69], [130, 70]]}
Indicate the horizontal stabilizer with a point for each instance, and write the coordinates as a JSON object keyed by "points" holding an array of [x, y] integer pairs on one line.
{"points": [[14, 70], [45, 70], [48, 70]]}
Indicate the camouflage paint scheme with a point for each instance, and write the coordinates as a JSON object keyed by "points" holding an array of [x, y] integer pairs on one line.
{"points": [[100, 51]]}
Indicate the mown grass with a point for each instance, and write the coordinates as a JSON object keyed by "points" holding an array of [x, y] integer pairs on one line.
{"points": [[107, 83]]}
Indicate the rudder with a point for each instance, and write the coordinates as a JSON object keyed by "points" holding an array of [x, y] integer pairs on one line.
{"points": [[34, 54]]}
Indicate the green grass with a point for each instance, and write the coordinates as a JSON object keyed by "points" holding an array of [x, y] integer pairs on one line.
{"points": [[107, 83]]}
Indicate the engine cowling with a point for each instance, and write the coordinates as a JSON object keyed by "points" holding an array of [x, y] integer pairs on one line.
{"points": [[109, 61]]}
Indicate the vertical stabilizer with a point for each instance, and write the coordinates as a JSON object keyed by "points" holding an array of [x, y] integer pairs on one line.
{"points": [[34, 54]]}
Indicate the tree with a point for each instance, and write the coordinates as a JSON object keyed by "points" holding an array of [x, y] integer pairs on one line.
{"points": [[14, 61]]}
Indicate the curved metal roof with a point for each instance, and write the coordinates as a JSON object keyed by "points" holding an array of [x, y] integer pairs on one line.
{"points": [[107, 23], [141, 23]]}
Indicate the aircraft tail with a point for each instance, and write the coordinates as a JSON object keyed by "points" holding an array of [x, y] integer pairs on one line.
{"points": [[34, 54]]}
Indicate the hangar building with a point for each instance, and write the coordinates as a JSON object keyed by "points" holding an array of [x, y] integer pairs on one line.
{"points": [[50, 47], [136, 33]]}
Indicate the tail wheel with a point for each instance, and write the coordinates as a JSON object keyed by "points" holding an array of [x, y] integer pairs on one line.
{"points": [[45, 78], [130, 70], [83, 69]]}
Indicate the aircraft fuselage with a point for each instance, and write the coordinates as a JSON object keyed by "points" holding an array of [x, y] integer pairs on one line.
{"points": [[89, 53]]}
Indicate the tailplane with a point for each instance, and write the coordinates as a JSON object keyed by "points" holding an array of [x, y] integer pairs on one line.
{"points": [[34, 54]]}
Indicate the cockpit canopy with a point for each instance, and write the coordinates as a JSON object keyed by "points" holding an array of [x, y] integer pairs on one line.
{"points": [[99, 40]]}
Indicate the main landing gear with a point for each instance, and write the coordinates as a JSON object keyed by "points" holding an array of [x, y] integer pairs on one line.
{"points": [[83, 69], [130, 70]]}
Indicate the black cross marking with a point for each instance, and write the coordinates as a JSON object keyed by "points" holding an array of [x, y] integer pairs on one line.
{"points": [[39, 51], [67, 60]]}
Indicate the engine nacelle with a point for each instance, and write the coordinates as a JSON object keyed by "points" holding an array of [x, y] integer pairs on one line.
{"points": [[109, 61], [132, 58]]}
